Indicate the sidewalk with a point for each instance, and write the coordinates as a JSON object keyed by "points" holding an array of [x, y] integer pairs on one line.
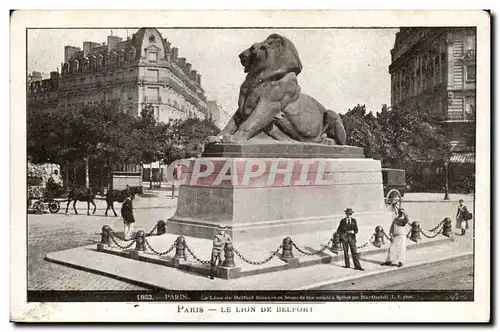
{"points": [[436, 197], [160, 277]]}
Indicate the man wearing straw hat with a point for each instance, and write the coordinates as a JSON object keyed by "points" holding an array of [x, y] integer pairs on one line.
{"points": [[220, 240], [347, 230]]}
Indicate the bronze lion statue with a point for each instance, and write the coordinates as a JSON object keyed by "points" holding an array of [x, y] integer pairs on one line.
{"points": [[271, 104]]}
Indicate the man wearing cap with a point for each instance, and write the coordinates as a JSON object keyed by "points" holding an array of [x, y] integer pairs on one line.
{"points": [[220, 240], [347, 230]]}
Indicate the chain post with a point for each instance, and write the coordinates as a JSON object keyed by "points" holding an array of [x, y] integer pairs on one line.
{"points": [[228, 255], [447, 227], [287, 253], [160, 227], [180, 248], [287, 248], [336, 247], [140, 239], [105, 238], [415, 231], [105, 234], [379, 237]]}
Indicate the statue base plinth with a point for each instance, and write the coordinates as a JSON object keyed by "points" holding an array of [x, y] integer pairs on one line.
{"points": [[289, 149], [268, 197]]}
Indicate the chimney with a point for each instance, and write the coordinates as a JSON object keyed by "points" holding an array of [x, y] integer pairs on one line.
{"points": [[175, 53], [181, 62], [188, 68], [193, 74], [69, 51], [167, 45], [88, 46], [198, 79], [112, 41]]}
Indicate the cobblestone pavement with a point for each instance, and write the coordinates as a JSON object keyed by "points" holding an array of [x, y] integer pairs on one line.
{"points": [[54, 232]]}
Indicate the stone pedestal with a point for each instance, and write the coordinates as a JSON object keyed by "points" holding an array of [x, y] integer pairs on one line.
{"points": [[260, 197]]}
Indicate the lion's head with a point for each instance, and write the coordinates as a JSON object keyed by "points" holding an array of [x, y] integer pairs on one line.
{"points": [[273, 56]]}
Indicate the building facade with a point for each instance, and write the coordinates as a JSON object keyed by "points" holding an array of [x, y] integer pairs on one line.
{"points": [[43, 93], [142, 70], [435, 68]]}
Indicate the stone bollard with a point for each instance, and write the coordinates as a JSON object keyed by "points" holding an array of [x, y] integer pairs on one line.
{"points": [[336, 247], [287, 253], [160, 227], [287, 248], [415, 231], [228, 255], [379, 237], [105, 234], [140, 241], [105, 238], [228, 270], [447, 227], [180, 248]]}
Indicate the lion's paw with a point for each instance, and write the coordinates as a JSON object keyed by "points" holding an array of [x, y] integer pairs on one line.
{"points": [[328, 141]]}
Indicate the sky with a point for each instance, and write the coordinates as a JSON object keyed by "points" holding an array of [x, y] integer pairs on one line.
{"points": [[341, 67]]}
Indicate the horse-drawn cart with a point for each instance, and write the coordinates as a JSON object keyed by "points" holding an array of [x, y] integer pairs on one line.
{"points": [[394, 181], [41, 199]]}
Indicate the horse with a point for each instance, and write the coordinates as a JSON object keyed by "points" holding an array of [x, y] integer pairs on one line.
{"points": [[82, 195], [114, 195]]}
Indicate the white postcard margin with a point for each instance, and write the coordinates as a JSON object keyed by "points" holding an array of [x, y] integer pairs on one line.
{"points": [[477, 311]]}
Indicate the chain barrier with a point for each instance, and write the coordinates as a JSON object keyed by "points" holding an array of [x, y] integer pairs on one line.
{"points": [[367, 242], [166, 252], [431, 236], [437, 226], [112, 236], [273, 254], [196, 257], [152, 231], [112, 232], [315, 252]]}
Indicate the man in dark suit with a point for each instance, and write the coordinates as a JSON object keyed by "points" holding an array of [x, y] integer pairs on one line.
{"points": [[347, 230]]}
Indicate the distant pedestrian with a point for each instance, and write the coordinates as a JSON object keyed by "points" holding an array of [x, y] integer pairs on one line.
{"points": [[463, 216], [220, 240], [397, 233], [128, 215], [347, 230]]}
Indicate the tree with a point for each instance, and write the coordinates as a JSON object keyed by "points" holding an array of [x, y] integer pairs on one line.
{"points": [[98, 134], [399, 137], [185, 138], [363, 130]]}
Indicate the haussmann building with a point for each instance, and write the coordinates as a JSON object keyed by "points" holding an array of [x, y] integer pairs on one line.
{"points": [[144, 69], [435, 68]]}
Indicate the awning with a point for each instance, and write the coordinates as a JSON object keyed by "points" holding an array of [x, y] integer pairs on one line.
{"points": [[463, 158]]}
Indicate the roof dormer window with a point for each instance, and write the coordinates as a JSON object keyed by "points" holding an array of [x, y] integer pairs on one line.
{"points": [[152, 56]]}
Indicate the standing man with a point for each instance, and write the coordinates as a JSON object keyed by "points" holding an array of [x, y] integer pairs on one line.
{"points": [[347, 230], [127, 215], [220, 240]]}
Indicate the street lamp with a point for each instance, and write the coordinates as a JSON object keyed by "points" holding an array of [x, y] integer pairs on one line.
{"points": [[446, 193]]}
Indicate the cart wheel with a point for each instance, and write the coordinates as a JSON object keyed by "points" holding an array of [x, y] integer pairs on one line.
{"points": [[54, 206], [393, 200], [38, 207]]}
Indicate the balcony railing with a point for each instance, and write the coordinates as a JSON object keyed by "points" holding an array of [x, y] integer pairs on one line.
{"points": [[459, 117], [152, 99]]}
